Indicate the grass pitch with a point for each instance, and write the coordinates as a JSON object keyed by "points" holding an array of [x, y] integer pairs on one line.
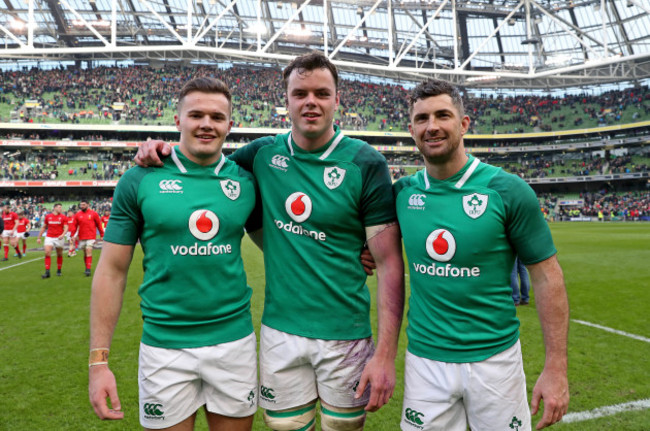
{"points": [[44, 336]]}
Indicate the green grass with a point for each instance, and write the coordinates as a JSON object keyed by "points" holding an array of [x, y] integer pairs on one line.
{"points": [[44, 335]]}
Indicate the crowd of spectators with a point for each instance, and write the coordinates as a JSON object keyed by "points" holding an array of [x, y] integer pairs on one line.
{"points": [[60, 168], [542, 167], [604, 205], [37, 206], [71, 94]]}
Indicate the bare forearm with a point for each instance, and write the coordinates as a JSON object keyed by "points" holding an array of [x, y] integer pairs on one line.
{"points": [[387, 250], [553, 310], [107, 293]]}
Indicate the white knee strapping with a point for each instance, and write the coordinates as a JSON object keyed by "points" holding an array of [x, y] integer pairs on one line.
{"points": [[301, 419], [342, 419]]}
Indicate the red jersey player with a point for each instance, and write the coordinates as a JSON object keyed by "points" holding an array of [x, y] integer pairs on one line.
{"points": [[88, 223], [22, 229], [70, 235], [9, 237], [105, 217], [56, 225]]}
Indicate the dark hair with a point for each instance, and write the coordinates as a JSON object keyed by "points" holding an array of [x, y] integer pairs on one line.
{"points": [[309, 62], [436, 87], [57, 204], [206, 85]]}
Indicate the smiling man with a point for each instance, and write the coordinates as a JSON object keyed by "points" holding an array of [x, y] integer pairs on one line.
{"points": [[198, 347], [463, 223]]}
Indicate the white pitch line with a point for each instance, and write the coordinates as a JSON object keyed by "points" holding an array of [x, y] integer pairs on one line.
{"points": [[21, 263], [606, 411], [614, 331]]}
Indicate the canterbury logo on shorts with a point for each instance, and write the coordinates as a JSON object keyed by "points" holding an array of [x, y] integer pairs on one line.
{"points": [[153, 411], [413, 416]]}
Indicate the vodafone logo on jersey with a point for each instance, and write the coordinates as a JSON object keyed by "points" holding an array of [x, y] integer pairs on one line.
{"points": [[298, 206], [204, 224], [441, 245]]}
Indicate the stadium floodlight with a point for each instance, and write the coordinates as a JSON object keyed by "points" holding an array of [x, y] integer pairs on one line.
{"points": [[17, 24], [256, 28], [298, 31], [483, 78], [558, 60]]}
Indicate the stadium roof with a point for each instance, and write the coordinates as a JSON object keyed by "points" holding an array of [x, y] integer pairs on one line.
{"points": [[524, 44]]}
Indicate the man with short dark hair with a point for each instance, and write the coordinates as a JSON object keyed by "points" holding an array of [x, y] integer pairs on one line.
{"points": [[88, 223], [198, 347], [56, 225], [463, 222]]}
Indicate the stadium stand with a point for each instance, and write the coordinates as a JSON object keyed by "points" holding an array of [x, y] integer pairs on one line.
{"points": [[145, 95]]}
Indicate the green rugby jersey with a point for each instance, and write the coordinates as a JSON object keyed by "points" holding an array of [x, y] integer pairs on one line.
{"points": [[315, 207], [190, 221], [461, 235]]}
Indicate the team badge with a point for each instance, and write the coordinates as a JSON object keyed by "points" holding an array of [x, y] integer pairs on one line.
{"points": [[298, 206], [441, 245], [333, 177], [231, 189], [475, 204], [204, 224]]}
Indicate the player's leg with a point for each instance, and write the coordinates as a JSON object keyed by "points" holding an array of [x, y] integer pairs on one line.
{"points": [[14, 243], [525, 283], [301, 418], [59, 257], [186, 425], [229, 387], [288, 389], [431, 396], [47, 249], [224, 423], [339, 365], [495, 395], [341, 418], [24, 246], [88, 255], [5, 246]]}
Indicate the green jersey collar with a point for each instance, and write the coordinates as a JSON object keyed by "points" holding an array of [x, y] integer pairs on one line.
{"points": [[465, 173], [178, 159], [329, 147]]}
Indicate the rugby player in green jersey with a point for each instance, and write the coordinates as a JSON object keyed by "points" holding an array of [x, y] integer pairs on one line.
{"points": [[198, 346], [463, 222], [324, 195]]}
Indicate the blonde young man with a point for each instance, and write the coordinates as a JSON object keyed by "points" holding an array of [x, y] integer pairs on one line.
{"points": [[198, 347], [463, 222]]}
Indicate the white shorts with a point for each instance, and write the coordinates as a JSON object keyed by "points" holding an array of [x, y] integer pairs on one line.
{"points": [[86, 243], [54, 242], [175, 383], [443, 396], [8, 233], [67, 236], [295, 370], [20, 235]]}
